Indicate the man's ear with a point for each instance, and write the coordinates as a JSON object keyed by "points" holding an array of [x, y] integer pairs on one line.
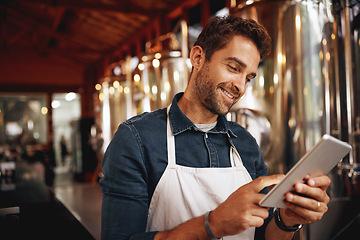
{"points": [[197, 57]]}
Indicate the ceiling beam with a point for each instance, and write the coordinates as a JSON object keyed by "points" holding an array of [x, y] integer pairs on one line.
{"points": [[177, 11], [84, 54], [2, 27], [58, 19], [45, 30], [172, 13], [122, 6], [18, 35]]}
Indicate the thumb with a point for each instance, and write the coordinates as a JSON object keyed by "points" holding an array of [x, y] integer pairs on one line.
{"points": [[261, 182]]}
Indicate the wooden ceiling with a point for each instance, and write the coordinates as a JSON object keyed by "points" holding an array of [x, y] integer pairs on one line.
{"points": [[84, 31]]}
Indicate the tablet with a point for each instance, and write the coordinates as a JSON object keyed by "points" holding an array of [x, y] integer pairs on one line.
{"points": [[318, 161]]}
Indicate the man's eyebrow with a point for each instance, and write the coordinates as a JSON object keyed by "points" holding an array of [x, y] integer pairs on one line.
{"points": [[241, 63], [238, 61]]}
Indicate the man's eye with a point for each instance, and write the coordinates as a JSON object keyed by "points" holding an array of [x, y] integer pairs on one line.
{"points": [[233, 68]]}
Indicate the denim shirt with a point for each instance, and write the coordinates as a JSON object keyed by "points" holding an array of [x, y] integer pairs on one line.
{"points": [[137, 157]]}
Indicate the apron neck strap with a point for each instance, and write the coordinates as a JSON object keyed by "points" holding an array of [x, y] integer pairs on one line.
{"points": [[170, 141], [235, 158]]}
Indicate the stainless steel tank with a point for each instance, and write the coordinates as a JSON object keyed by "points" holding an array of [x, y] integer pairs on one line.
{"points": [[292, 88], [163, 70], [158, 78], [308, 86], [125, 91], [113, 99]]}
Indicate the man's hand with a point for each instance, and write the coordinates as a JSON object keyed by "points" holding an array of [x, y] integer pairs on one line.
{"points": [[309, 205], [241, 209]]}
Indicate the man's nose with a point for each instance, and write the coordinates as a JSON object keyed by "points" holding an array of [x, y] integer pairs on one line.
{"points": [[240, 85]]}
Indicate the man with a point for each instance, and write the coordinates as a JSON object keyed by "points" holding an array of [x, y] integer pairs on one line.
{"points": [[185, 172]]}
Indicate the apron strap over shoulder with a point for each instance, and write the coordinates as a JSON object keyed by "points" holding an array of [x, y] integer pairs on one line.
{"points": [[170, 142], [235, 158]]}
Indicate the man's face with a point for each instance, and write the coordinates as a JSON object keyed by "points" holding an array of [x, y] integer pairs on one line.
{"points": [[221, 82]]}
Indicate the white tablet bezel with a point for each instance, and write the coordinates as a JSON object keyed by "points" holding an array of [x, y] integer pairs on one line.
{"points": [[318, 161]]}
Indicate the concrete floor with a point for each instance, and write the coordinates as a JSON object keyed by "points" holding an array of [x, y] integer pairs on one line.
{"points": [[83, 200]]}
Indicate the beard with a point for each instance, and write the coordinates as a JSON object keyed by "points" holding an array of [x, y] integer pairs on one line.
{"points": [[210, 93]]}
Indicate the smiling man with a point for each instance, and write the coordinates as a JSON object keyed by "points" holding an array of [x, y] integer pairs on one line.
{"points": [[218, 84], [185, 172]]}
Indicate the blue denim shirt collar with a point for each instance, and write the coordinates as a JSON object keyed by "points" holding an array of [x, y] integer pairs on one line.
{"points": [[180, 123]]}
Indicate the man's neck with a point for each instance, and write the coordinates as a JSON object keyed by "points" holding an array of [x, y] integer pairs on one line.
{"points": [[195, 111]]}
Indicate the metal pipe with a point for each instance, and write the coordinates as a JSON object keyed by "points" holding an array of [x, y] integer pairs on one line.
{"points": [[338, 131], [128, 94], [349, 79], [184, 45]]}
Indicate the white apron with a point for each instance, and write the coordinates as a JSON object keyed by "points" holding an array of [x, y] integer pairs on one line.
{"points": [[183, 193]]}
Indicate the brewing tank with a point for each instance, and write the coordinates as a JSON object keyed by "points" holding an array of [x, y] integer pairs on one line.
{"points": [[163, 70], [308, 86], [292, 87], [130, 88], [158, 77], [113, 100]]}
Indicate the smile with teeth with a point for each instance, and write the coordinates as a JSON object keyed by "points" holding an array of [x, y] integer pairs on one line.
{"points": [[227, 93]]}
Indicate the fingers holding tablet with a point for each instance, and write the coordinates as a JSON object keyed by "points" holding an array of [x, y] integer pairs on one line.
{"points": [[316, 163]]}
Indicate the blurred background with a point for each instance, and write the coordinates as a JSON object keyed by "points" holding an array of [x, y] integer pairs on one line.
{"points": [[72, 71]]}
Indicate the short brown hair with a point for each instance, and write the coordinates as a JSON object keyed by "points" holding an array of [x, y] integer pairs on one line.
{"points": [[220, 30]]}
